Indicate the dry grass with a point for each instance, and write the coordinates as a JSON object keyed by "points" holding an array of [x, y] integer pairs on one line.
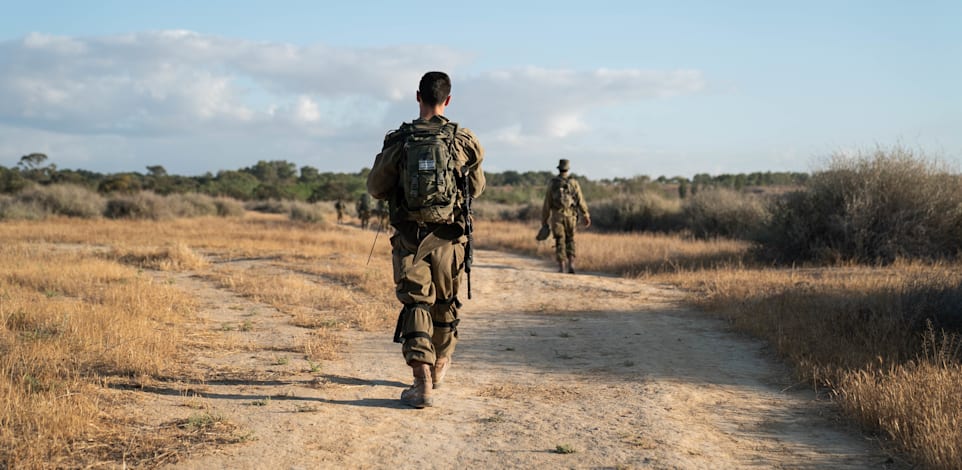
{"points": [[627, 254], [79, 311], [68, 321], [860, 332]]}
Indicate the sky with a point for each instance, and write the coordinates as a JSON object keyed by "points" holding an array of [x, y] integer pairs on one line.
{"points": [[619, 88]]}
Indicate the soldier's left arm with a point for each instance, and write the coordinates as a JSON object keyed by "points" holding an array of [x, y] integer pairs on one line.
{"points": [[580, 199], [469, 148], [383, 177]]}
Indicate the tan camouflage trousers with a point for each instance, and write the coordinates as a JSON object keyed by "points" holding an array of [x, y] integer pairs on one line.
{"points": [[428, 289], [563, 230]]}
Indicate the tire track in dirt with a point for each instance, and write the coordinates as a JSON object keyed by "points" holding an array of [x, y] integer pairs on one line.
{"points": [[615, 370]]}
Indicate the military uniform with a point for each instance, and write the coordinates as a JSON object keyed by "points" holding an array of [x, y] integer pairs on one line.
{"points": [[381, 211], [363, 208], [562, 203], [339, 207], [427, 287]]}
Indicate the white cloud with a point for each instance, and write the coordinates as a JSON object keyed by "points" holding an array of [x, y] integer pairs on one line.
{"points": [[181, 90]]}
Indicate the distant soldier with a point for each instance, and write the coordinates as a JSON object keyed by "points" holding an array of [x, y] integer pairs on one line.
{"points": [[339, 207], [381, 211], [364, 209], [562, 202]]}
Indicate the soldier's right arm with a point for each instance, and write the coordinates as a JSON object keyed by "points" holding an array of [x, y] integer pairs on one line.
{"points": [[383, 178]]}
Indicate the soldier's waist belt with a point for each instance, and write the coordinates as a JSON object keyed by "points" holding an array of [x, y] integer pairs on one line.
{"points": [[452, 325]]}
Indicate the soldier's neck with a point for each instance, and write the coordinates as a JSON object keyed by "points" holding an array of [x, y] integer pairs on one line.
{"points": [[427, 112]]}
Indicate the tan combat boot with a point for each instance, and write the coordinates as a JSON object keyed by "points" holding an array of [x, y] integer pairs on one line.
{"points": [[571, 264], [419, 395], [561, 266], [440, 368]]}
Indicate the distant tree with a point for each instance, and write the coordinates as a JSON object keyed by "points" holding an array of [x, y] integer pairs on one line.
{"points": [[683, 189], [156, 171], [309, 175], [30, 168], [739, 182], [235, 184]]}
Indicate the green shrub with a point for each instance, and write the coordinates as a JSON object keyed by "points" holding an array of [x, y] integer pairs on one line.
{"points": [[722, 212], [870, 208], [64, 199]]}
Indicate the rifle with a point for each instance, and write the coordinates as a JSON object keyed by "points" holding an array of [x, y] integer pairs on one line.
{"points": [[468, 225]]}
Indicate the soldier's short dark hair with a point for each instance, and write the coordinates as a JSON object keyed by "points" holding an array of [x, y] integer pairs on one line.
{"points": [[434, 88]]}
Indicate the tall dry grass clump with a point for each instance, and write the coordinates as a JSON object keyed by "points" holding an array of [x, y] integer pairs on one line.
{"points": [[872, 208], [884, 340]]}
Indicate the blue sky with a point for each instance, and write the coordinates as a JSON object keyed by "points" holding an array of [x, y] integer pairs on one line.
{"points": [[620, 88]]}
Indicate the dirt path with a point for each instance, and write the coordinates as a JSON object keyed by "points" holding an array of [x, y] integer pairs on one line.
{"points": [[629, 379]]}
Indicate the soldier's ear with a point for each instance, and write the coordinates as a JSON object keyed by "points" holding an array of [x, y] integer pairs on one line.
{"points": [[418, 95], [447, 100]]}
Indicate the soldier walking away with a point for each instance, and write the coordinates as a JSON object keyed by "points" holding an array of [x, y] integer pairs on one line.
{"points": [[562, 203], [339, 207], [381, 211], [428, 171], [364, 209]]}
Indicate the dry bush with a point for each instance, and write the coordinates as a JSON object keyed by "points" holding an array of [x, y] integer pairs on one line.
{"points": [[12, 208], [227, 207], [64, 199], [648, 211], [306, 212], [142, 205], [190, 205], [871, 208], [721, 212]]}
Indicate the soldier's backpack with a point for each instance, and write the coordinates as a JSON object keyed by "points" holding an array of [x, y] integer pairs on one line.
{"points": [[364, 204], [562, 194], [429, 173]]}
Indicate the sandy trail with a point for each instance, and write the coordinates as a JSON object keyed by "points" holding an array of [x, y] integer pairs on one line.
{"points": [[627, 379]]}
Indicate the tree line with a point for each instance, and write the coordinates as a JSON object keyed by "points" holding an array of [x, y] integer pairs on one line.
{"points": [[283, 180]]}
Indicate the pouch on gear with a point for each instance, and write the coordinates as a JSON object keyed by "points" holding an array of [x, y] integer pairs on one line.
{"points": [[562, 197]]}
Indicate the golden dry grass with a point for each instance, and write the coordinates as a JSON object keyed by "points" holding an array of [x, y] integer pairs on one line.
{"points": [[77, 309], [80, 310], [68, 319], [860, 331], [627, 254]]}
